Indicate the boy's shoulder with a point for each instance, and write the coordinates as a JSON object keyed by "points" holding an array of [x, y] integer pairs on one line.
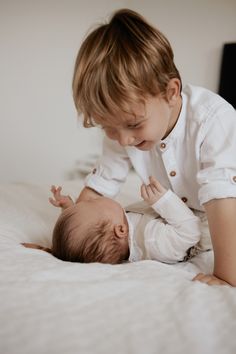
{"points": [[201, 96], [202, 103]]}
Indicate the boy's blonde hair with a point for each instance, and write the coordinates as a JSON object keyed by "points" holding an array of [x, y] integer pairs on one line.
{"points": [[98, 245], [121, 63]]}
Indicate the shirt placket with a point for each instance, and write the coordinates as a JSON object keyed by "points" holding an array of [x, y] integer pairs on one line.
{"points": [[168, 156]]}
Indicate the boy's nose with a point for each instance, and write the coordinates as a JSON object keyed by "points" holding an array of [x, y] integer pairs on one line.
{"points": [[125, 139]]}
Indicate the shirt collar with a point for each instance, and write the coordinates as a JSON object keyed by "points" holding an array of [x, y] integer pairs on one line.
{"points": [[135, 254], [178, 128]]}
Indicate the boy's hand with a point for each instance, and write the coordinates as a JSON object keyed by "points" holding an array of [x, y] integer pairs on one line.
{"points": [[209, 279], [61, 201], [152, 192]]}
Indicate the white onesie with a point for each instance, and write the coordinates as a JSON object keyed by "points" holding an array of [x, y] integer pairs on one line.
{"points": [[168, 231]]}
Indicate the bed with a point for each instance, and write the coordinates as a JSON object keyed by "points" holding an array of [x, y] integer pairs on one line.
{"points": [[147, 307]]}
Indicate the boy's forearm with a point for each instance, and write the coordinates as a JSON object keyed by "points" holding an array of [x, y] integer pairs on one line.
{"points": [[221, 215]]}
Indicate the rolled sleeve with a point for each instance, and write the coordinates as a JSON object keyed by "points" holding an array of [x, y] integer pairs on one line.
{"points": [[110, 171], [101, 185], [217, 177], [224, 187]]}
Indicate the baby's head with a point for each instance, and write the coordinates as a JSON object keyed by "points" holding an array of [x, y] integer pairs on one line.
{"points": [[92, 231]]}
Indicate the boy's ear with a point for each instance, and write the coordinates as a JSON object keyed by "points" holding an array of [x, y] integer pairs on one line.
{"points": [[173, 91], [121, 230]]}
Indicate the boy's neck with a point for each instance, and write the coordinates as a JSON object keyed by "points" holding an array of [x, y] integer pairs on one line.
{"points": [[174, 115]]}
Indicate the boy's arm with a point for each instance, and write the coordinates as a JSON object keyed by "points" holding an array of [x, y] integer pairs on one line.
{"points": [[221, 214]]}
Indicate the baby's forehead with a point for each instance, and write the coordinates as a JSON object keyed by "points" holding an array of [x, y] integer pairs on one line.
{"points": [[92, 204]]}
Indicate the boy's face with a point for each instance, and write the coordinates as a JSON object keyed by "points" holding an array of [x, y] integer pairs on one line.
{"points": [[147, 126]]}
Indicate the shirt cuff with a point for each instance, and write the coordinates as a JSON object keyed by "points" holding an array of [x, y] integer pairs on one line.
{"points": [[216, 190], [99, 184], [172, 208]]}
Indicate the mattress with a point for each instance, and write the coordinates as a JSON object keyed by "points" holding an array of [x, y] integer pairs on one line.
{"points": [[146, 307]]}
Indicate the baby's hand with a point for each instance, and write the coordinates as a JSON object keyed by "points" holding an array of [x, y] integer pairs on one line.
{"points": [[61, 201], [152, 192]]}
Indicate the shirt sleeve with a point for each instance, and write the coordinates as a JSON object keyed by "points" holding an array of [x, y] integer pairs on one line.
{"points": [[111, 169], [168, 240], [217, 176]]}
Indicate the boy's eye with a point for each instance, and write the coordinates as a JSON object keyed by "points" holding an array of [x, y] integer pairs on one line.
{"points": [[133, 126]]}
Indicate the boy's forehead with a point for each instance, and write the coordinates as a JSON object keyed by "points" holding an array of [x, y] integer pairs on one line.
{"points": [[121, 117]]}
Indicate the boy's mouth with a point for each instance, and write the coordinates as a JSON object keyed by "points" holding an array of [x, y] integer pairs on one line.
{"points": [[140, 144]]}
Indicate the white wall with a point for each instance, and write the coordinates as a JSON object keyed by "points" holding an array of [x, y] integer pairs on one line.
{"points": [[40, 139], [197, 30]]}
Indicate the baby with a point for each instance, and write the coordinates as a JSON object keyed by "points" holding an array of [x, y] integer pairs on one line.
{"points": [[160, 228]]}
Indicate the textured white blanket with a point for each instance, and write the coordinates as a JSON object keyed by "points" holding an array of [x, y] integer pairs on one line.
{"points": [[50, 306]]}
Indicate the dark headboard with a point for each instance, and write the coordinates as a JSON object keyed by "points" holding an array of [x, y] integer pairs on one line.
{"points": [[227, 86]]}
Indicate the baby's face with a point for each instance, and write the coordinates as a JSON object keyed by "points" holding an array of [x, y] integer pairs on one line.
{"points": [[95, 210]]}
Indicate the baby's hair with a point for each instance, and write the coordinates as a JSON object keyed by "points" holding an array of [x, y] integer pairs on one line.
{"points": [[98, 245], [121, 63]]}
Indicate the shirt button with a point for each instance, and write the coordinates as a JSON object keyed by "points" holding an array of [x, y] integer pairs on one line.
{"points": [[234, 179], [184, 199], [162, 145], [172, 173]]}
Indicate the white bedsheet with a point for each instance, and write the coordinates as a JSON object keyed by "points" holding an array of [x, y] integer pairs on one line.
{"points": [[51, 306]]}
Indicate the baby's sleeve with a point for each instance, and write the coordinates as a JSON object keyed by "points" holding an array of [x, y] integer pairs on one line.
{"points": [[217, 176], [110, 171], [168, 240]]}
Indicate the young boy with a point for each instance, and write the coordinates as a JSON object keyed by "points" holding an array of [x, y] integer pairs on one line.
{"points": [[99, 230], [125, 81]]}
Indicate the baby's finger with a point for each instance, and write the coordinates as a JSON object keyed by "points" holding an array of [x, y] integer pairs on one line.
{"points": [[144, 194], [53, 189], [57, 193], [157, 184], [54, 202], [149, 190], [152, 188]]}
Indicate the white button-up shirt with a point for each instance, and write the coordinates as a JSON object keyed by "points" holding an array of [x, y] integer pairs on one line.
{"points": [[197, 160]]}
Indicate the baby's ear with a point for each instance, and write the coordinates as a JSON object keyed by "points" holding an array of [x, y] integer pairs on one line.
{"points": [[121, 230]]}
